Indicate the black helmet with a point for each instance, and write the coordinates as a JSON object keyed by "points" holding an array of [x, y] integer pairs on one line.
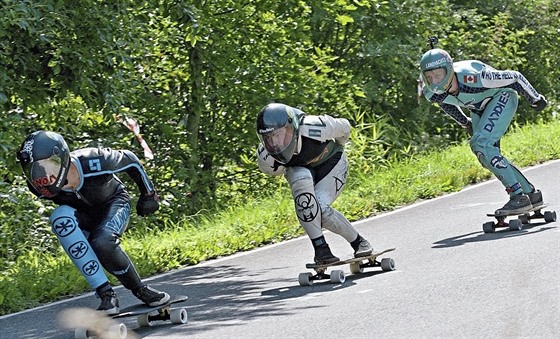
{"points": [[45, 159], [277, 128]]}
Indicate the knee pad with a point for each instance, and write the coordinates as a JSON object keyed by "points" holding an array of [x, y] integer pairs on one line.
{"points": [[65, 225], [306, 204], [307, 207], [303, 191], [478, 143], [480, 147], [104, 243], [488, 152]]}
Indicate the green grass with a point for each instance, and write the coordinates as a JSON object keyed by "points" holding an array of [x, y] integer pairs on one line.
{"points": [[38, 277]]}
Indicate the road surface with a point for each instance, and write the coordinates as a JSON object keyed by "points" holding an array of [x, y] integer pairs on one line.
{"points": [[452, 281]]}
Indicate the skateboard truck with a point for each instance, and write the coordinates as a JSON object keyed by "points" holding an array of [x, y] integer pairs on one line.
{"points": [[522, 218], [95, 324], [357, 265]]}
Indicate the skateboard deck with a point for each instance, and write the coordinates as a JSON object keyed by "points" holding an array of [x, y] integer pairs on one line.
{"points": [[88, 323], [521, 218], [357, 265]]}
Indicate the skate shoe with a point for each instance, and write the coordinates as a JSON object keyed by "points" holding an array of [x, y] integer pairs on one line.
{"points": [[362, 248], [109, 303], [323, 255], [517, 204], [536, 198], [150, 296]]}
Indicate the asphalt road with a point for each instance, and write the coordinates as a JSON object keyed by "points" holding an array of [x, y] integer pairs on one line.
{"points": [[452, 281]]}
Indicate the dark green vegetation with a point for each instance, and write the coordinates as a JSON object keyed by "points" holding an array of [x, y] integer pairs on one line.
{"points": [[196, 73]]}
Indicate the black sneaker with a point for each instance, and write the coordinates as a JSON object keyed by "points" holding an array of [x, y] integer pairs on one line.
{"points": [[362, 248], [109, 302], [323, 255], [517, 204], [536, 198], [150, 296]]}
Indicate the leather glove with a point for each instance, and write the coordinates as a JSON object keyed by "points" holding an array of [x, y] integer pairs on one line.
{"points": [[540, 104], [147, 204]]}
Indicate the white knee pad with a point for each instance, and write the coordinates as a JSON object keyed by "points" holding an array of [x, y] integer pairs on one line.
{"points": [[65, 225], [308, 209]]}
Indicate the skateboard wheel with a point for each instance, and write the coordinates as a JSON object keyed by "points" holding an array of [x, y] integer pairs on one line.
{"points": [[489, 227], [178, 316], [337, 277], [550, 216], [118, 331], [515, 225], [387, 264], [81, 333], [305, 279], [144, 320], [356, 267]]}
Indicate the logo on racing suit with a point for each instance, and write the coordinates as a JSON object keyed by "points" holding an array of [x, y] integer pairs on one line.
{"points": [[307, 207], [315, 133], [78, 249], [90, 268], [64, 226], [95, 165], [498, 75], [497, 112], [339, 184], [499, 162]]}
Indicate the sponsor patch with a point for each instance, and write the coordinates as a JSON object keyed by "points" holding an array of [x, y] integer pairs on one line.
{"points": [[64, 226], [307, 207], [78, 250], [498, 162], [314, 132], [94, 165], [90, 268]]}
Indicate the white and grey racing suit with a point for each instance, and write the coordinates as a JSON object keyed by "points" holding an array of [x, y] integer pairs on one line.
{"points": [[317, 174]]}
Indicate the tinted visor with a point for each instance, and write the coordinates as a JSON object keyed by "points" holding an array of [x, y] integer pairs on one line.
{"points": [[435, 76], [278, 140], [280, 143], [43, 175]]}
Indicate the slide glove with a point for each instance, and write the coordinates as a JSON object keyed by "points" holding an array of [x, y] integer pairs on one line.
{"points": [[540, 104], [147, 204]]}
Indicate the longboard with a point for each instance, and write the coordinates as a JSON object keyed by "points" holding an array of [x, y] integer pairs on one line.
{"points": [[521, 218], [88, 323], [357, 265]]}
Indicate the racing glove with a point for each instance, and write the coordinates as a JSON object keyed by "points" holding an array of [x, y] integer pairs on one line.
{"points": [[540, 104], [147, 204]]}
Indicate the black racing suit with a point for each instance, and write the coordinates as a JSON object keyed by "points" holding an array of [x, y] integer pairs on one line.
{"points": [[102, 205]]}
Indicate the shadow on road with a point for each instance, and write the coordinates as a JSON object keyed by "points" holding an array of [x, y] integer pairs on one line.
{"points": [[501, 233], [231, 296]]}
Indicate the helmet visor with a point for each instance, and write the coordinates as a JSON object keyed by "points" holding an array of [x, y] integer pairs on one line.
{"points": [[435, 76], [44, 174], [278, 140]]}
